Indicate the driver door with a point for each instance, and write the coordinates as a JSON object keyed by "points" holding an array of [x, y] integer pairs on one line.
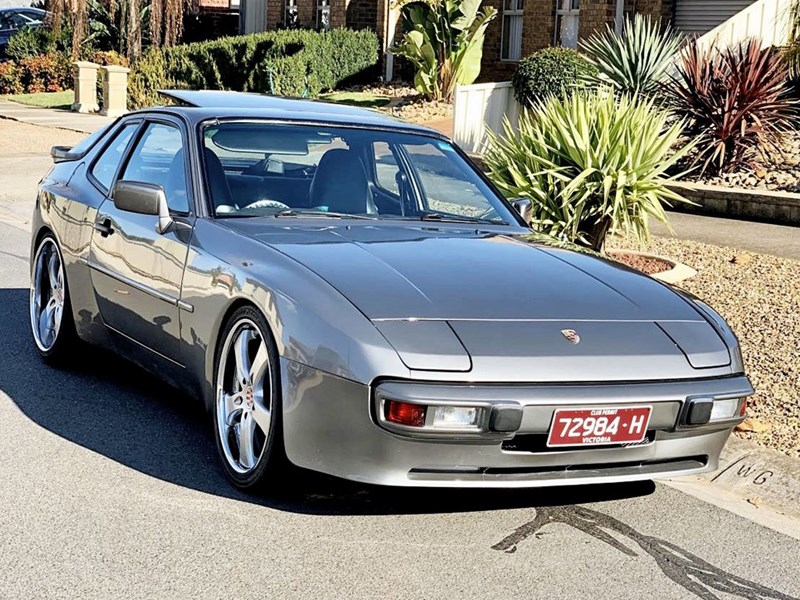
{"points": [[137, 272]]}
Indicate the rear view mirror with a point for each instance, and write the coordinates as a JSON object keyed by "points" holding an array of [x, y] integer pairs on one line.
{"points": [[524, 207], [62, 154], [144, 199]]}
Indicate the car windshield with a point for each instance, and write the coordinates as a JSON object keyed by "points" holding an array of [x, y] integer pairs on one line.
{"points": [[267, 169]]}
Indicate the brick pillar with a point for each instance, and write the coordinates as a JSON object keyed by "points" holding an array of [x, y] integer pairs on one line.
{"points": [[594, 16], [307, 13], [540, 25], [339, 13], [275, 10]]}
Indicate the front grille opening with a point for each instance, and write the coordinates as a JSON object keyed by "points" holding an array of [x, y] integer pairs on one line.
{"points": [[537, 442]]}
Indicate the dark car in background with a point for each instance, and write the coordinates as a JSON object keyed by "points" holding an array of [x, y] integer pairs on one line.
{"points": [[13, 20]]}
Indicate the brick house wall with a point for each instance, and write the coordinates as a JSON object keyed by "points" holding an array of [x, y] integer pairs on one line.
{"points": [[539, 28]]}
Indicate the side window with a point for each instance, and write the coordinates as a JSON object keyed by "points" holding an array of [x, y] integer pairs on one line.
{"points": [[106, 164], [159, 158], [386, 167]]}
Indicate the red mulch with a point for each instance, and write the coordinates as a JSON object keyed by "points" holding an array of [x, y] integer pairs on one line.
{"points": [[645, 264]]}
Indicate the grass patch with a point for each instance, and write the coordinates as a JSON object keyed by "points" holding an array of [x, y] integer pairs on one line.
{"points": [[61, 100], [362, 99]]}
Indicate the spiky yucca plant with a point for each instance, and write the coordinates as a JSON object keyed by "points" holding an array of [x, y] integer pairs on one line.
{"points": [[589, 162], [636, 60], [736, 101]]}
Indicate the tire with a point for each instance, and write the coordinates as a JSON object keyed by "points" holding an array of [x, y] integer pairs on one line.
{"points": [[52, 324], [247, 401]]}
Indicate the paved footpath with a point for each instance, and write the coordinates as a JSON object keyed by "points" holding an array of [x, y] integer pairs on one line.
{"points": [[49, 117]]}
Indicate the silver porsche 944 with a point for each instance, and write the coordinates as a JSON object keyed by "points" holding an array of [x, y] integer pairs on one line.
{"points": [[350, 294]]}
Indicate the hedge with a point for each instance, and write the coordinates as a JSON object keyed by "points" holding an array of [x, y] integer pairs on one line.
{"points": [[549, 72], [34, 74], [286, 63]]}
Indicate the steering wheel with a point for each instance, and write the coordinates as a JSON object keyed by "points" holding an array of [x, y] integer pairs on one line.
{"points": [[266, 203]]}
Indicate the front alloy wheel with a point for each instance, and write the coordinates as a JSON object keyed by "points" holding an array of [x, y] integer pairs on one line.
{"points": [[246, 408]]}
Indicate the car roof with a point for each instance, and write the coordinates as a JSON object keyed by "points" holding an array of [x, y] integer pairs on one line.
{"points": [[201, 105]]}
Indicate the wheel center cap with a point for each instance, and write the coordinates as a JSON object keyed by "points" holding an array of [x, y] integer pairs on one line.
{"points": [[248, 397]]}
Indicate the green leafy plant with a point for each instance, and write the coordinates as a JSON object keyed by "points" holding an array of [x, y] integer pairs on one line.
{"points": [[550, 72], [636, 60], [288, 63], [444, 42], [736, 101], [589, 162]]}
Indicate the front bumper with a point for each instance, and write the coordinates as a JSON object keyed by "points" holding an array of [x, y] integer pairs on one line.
{"points": [[330, 426]]}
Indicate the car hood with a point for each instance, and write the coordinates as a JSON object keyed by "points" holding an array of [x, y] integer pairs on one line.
{"points": [[461, 298]]}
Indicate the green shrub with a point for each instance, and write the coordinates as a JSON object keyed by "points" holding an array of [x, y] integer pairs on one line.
{"points": [[287, 63], [550, 72], [588, 163], [30, 42], [637, 60], [9, 78]]}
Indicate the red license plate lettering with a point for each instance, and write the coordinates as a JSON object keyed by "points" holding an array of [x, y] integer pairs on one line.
{"points": [[599, 426]]}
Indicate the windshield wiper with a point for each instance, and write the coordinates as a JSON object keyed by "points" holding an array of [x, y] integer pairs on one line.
{"points": [[299, 212], [434, 216]]}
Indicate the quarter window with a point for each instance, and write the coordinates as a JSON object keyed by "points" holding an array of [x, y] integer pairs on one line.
{"points": [[386, 168], [511, 43], [159, 158], [105, 167]]}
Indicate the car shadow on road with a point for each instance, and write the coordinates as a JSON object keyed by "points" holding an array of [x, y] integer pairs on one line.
{"points": [[111, 407]]}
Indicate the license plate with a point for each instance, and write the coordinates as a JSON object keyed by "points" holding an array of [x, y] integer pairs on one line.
{"points": [[599, 426]]}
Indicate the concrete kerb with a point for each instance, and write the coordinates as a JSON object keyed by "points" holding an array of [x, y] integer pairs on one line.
{"points": [[756, 476]]}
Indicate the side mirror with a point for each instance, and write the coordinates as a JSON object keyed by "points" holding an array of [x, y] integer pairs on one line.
{"points": [[144, 199], [62, 154], [524, 207]]}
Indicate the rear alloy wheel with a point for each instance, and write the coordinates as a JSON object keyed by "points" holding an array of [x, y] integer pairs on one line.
{"points": [[247, 405], [51, 314]]}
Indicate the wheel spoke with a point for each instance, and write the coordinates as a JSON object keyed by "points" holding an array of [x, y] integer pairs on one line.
{"points": [[44, 326], [247, 430], [240, 349], [52, 270], [259, 366], [231, 408], [262, 416]]}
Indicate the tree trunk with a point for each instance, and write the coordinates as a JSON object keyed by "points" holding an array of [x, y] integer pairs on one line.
{"points": [[134, 30], [597, 234]]}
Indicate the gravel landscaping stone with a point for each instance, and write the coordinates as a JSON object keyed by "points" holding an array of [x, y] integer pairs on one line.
{"points": [[759, 296], [778, 172], [407, 103]]}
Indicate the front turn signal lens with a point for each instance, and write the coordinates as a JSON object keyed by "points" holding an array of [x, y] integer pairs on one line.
{"points": [[405, 413]]}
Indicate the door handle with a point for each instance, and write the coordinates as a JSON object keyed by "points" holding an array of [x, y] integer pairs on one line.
{"points": [[104, 227]]}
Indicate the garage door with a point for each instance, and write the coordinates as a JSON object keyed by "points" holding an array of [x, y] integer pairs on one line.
{"points": [[701, 16]]}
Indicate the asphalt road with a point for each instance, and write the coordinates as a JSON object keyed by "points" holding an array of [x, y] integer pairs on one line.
{"points": [[110, 488]]}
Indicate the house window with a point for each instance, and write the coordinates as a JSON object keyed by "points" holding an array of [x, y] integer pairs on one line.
{"points": [[511, 43], [567, 19], [290, 18], [323, 14]]}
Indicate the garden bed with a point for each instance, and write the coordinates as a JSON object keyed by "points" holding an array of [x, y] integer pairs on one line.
{"points": [[404, 102], [778, 172], [758, 295]]}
